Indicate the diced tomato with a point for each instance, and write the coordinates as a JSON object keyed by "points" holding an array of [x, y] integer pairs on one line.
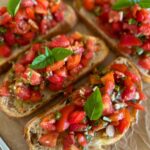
{"points": [[89, 4], [81, 140], [62, 124], [79, 101], [2, 10], [55, 79], [124, 123], [76, 70], [128, 40], [55, 8], [76, 117], [77, 36], [9, 38], [62, 72], [109, 87], [47, 123], [133, 76], [58, 16], [32, 76], [29, 36], [43, 3], [108, 77], [56, 87], [23, 92], [114, 16], [68, 142], [27, 3], [89, 55], [40, 10], [84, 61], [60, 41], [49, 139], [142, 95], [94, 79], [140, 15], [132, 28], [36, 96], [4, 90], [136, 106], [144, 63], [129, 93], [91, 45], [128, 83], [44, 26], [19, 68], [5, 18], [119, 67], [30, 12], [77, 127], [73, 61], [55, 66], [145, 29], [36, 47], [146, 46], [107, 105], [30, 56], [4, 51]]}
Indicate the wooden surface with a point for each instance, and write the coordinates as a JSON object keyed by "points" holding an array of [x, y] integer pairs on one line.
{"points": [[11, 130]]}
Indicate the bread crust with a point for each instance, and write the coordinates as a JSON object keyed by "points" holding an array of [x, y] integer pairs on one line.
{"points": [[99, 140], [96, 60], [65, 26], [90, 20]]}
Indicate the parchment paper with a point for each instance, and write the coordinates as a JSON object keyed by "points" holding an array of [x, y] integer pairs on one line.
{"points": [[137, 138]]}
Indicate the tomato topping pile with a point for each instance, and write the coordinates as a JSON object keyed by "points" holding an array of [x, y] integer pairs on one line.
{"points": [[119, 93], [29, 84], [34, 17], [130, 26]]}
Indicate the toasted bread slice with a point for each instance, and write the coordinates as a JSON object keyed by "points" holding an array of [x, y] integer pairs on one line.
{"points": [[7, 103], [66, 25], [33, 130], [91, 21]]}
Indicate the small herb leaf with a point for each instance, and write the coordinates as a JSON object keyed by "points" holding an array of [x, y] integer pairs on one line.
{"points": [[94, 106], [61, 53], [13, 6]]}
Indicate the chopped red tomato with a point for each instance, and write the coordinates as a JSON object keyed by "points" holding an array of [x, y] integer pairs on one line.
{"points": [[144, 63], [23, 92], [145, 29], [146, 46], [76, 117], [19, 68], [43, 3], [56, 87], [48, 123], [119, 67], [107, 105], [62, 124], [3, 10], [9, 38], [27, 3], [55, 8], [73, 61], [128, 83], [77, 127], [124, 123], [142, 95], [36, 96], [4, 51], [4, 90], [108, 77], [29, 57], [129, 41], [133, 77], [136, 106], [5, 18], [55, 79], [62, 72], [60, 41], [81, 140], [40, 10], [30, 12], [89, 4], [49, 139]]}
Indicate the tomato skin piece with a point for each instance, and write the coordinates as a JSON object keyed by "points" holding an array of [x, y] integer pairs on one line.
{"points": [[30, 12], [27, 3], [62, 124], [73, 61], [145, 29], [144, 63], [49, 140], [55, 87], [124, 123], [4, 90], [19, 68], [9, 38], [136, 106], [55, 79], [119, 67], [133, 76], [36, 96], [89, 4], [76, 117], [5, 51], [43, 3], [5, 18], [81, 140], [77, 127]]}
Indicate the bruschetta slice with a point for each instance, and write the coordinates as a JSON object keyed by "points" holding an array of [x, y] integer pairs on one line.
{"points": [[124, 25], [35, 20], [97, 114], [46, 69]]}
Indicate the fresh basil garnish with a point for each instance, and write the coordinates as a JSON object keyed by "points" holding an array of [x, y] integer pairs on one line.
{"points": [[13, 6], [50, 57], [128, 3], [94, 105]]}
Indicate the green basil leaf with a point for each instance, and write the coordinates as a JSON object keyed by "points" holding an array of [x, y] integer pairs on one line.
{"points": [[61, 53], [48, 52], [13, 6], [128, 3], [41, 61], [94, 105]]}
